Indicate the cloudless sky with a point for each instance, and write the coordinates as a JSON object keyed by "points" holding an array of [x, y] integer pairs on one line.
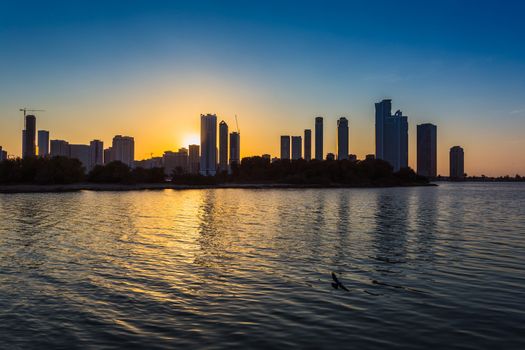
{"points": [[148, 69]]}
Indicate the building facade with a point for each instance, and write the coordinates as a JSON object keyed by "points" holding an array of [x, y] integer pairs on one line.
{"points": [[223, 146], [81, 152], [427, 150], [235, 148], [193, 159], [297, 147], [342, 138], [96, 153], [391, 135], [59, 148], [29, 136], [457, 163], [175, 162], [123, 150], [285, 147], [3, 154], [208, 164], [43, 143], [308, 144], [319, 138]]}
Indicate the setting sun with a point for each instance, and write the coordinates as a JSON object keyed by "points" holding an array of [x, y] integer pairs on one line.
{"points": [[191, 139]]}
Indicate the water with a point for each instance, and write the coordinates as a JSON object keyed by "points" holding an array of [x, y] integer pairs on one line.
{"points": [[425, 267]]}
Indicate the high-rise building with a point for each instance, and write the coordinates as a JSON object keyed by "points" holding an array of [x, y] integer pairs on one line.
{"points": [[223, 146], [235, 148], [150, 163], [43, 143], [108, 155], [391, 135], [297, 147], [193, 159], [342, 138], [59, 148], [80, 152], [457, 163], [29, 136], [175, 161], [96, 153], [123, 150], [285, 147], [208, 165], [3, 154], [427, 150], [319, 138], [308, 144]]}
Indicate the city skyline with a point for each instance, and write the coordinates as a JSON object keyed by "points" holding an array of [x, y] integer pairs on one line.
{"points": [[280, 67]]}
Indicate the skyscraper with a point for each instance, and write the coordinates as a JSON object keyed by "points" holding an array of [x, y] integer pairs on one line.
{"points": [[28, 137], [342, 138], [208, 145], [59, 148], [123, 150], [108, 155], [223, 146], [391, 135], [319, 138], [297, 147], [308, 144], [96, 153], [175, 161], [193, 159], [285, 147], [427, 150], [80, 152], [235, 148], [43, 143], [457, 163]]}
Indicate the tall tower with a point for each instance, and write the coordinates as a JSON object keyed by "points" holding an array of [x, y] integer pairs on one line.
{"points": [[193, 159], [123, 150], [427, 150], [391, 135], [208, 145], [285, 147], [43, 143], [96, 153], [308, 144], [342, 138], [28, 137], [457, 163], [223, 146], [383, 111], [235, 148], [319, 138], [297, 146]]}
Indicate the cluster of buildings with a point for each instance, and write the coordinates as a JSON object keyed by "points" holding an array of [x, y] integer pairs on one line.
{"points": [[391, 143]]}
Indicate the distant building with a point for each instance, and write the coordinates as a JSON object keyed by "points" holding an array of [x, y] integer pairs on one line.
{"points": [[29, 136], [223, 146], [43, 143], [342, 138], [457, 163], [275, 159], [193, 159], [297, 144], [208, 164], [285, 147], [3, 154], [81, 152], [308, 144], [123, 150], [150, 163], [391, 135], [96, 153], [427, 150], [352, 158], [330, 156], [175, 161], [59, 148], [267, 157], [235, 148], [370, 157], [108, 155], [319, 138]]}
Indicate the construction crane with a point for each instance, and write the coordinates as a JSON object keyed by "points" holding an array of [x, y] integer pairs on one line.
{"points": [[237, 124], [30, 110]]}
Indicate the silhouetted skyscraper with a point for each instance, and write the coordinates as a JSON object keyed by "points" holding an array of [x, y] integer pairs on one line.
{"points": [[194, 159], [59, 148], [342, 138], [80, 152], [319, 138], [235, 148], [43, 143], [96, 153], [29, 136], [457, 163], [223, 146], [308, 144], [391, 135], [427, 150], [208, 145], [123, 150], [175, 162], [285, 147], [297, 145], [108, 155]]}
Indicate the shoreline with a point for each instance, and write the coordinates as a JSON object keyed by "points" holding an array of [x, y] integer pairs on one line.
{"points": [[23, 188]]}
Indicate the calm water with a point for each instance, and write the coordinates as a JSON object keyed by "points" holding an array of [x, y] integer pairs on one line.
{"points": [[251, 268]]}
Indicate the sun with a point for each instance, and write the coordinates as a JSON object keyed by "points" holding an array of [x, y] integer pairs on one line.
{"points": [[191, 139]]}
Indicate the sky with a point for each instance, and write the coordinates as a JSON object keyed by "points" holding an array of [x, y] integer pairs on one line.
{"points": [[148, 69]]}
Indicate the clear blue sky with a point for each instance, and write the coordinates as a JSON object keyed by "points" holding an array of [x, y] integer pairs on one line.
{"points": [[148, 68]]}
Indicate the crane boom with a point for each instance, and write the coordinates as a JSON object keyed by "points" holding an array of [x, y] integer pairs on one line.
{"points": [[30, 110]]}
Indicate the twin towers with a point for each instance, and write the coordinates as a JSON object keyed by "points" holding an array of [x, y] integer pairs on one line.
{"points": [[208, 159]]}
